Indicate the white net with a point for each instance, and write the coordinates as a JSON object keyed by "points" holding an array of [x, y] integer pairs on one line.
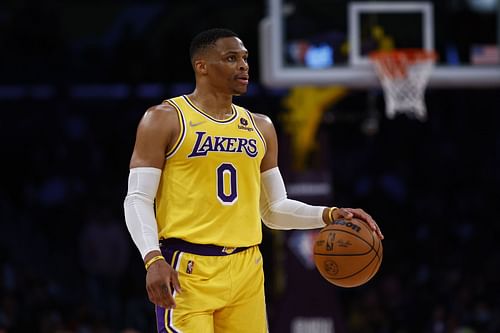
{"points": [[404, 76]]}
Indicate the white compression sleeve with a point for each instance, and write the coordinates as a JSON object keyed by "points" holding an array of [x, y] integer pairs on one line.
{"points": [[139, 211], [279, 212]]}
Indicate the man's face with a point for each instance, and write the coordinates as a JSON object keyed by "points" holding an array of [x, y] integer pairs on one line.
{"points": [[227, 66]]}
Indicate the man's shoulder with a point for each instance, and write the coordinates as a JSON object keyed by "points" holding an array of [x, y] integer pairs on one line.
{"points": [[165, 106], [160, 114], [256, 116], [263, 121], [261, 117], [164, 110]]}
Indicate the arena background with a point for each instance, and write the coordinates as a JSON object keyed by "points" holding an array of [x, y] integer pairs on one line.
{"points": [[75, 80]]}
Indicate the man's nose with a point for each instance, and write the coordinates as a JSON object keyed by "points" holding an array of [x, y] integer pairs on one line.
{"points": [[243, 65]]}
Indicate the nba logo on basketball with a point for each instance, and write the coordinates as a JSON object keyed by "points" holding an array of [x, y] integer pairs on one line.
{"points": [[329, 241]]}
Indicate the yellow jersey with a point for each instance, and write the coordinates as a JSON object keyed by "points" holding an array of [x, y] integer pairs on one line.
{"points": [[210, 185]]}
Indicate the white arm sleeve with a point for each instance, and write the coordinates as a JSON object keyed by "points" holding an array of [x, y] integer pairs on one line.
{"points": [[139, 211], [279, 212]]}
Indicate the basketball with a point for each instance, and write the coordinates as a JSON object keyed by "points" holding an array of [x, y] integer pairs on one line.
{"points": [[347, 253]]}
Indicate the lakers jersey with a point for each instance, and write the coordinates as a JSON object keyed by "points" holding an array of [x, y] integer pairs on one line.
{"points": [[210, 184]]}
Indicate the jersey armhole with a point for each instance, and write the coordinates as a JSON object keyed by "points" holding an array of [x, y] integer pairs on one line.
{"points": [[182, 132], [256, 128]]}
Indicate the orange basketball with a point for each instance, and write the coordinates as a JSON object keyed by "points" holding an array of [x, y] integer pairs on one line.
{"points": [[347, 253]]}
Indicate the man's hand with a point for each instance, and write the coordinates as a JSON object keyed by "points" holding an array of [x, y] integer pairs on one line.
{"points": [[160, 279], [349, 213]]}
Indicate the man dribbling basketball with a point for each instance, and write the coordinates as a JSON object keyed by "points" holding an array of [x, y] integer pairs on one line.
{"points": [[203, 174]]}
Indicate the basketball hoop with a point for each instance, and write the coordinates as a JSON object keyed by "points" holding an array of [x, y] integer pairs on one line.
{"points": [[404, 74]]}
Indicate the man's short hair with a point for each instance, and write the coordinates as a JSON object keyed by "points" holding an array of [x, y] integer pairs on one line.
{"points": [[208, 38]]}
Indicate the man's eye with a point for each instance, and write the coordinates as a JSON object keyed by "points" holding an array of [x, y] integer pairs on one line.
{"points": [[231, 58]]}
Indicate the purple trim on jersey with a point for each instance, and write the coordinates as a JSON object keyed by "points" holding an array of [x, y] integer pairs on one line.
{"points": [[256, 128], [182, 135], [160, 319], [173, 244], [233, 116], [172, 258], [170, 313]]}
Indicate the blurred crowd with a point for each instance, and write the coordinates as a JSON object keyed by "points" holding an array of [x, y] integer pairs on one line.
{"points": [[66, 259], [433, 186], [112, 41], [67, 263]]}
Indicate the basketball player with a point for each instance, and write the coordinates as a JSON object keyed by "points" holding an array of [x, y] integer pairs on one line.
{"points": [[203, 174]]}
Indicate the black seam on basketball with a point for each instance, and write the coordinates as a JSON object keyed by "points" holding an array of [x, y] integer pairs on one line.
{"points": [[373, 243], [352, 274], [378, 251], [372, 249], [351, 233], [344, 254], [376, 267]]}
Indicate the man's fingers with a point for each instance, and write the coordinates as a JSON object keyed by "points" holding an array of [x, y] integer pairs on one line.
{"points": [[150, 294], [165, 298], [342, 213], [169, 298], [373, 225], [154, 294], [361, 214], [378, 231], [175, 282], [161, 282], [161, 295]]}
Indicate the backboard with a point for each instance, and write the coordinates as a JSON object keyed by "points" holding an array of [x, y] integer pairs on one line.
{"points": [[326, 42]]}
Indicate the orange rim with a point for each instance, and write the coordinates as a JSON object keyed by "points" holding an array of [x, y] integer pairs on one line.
{"points": [[411, 55], [394, 63]]}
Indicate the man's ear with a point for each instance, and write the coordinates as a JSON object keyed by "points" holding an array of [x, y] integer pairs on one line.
{"points": [[200, 66]]}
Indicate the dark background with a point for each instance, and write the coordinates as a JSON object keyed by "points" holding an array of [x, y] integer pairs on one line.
{"points": [[75, 80]]}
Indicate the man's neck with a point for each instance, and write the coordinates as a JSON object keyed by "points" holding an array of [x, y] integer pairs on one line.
{"points": [[215, 104]]}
